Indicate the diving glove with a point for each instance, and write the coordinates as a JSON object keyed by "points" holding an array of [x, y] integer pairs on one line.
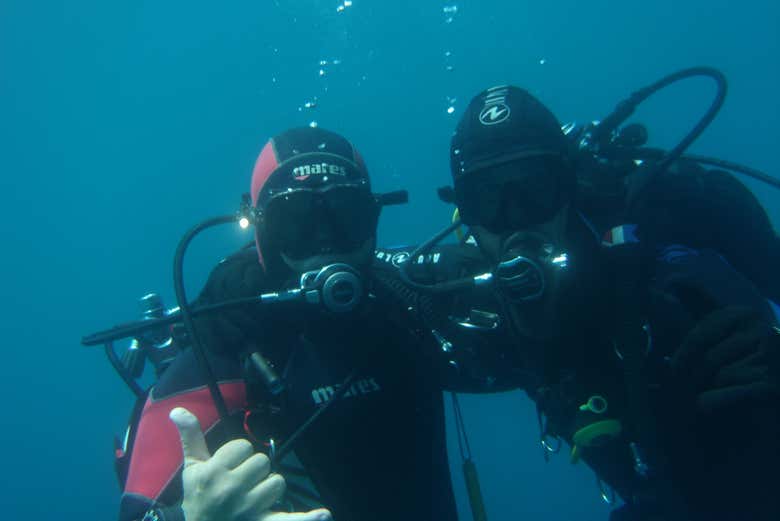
{"points": [[729, 358]]}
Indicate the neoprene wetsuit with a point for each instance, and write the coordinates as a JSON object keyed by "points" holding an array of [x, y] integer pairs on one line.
{"points": [[378, 453]]}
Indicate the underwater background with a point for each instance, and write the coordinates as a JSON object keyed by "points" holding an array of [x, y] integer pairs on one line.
{"points": [[124, 123]]}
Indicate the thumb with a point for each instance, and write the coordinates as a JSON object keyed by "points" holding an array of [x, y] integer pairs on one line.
{"points": [[193, 443]]}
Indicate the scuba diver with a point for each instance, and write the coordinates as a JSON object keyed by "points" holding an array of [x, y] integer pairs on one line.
{"points": [[645, 350], [304, 353]]}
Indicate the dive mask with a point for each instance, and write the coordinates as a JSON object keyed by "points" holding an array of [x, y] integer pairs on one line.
{"points": [[513, 195], [334, 219]]}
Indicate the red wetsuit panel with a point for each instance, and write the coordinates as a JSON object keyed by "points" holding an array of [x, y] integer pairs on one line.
{"points": [[157, 452]]}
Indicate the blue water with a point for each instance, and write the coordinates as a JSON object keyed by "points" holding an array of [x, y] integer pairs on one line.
{"points": [[123, 123]]}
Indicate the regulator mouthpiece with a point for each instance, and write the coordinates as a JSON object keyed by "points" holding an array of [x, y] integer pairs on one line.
{"points": [[521, 278]]}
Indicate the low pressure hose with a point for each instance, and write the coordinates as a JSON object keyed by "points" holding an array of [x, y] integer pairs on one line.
{"points": [[602, 133], [441, 287], [626, 108], [186, 313], [717, 103]]}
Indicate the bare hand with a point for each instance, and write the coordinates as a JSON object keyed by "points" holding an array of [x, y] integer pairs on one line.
{"points": [[234, 484]]}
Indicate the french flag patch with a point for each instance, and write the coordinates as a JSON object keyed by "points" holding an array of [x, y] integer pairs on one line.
{"points": [[623, 234]]}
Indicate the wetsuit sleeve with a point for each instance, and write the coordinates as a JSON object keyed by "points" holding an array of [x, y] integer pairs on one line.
{"points": [[153, 482], [688, 285], [154, 475], [712, 209]]}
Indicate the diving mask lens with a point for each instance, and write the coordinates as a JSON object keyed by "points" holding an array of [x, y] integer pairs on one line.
{"points": [[512, 196], [307, 222]]}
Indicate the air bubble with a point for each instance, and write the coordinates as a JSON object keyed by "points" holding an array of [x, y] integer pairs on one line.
{"points": [[449, 13]]}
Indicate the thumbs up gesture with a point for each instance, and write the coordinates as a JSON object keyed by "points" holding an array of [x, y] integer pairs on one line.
{"points": [[234, 484]]}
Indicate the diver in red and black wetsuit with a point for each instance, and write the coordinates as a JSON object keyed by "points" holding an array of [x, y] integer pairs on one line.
{"points": [[378, 452]]}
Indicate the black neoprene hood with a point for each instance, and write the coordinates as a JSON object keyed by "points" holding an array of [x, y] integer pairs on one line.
{"points": [[500, 125]]}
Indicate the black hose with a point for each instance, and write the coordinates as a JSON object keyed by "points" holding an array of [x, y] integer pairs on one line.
{"points": [[288, 445], [186, 313], [735, 167], [648, 153], [127, 378], [626, 108], [603, 131], [136, 328], [442, 287], [704, 122]]}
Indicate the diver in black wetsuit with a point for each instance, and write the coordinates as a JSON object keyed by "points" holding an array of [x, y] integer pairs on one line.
{"points": [[378, 451], [655, 361]]}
